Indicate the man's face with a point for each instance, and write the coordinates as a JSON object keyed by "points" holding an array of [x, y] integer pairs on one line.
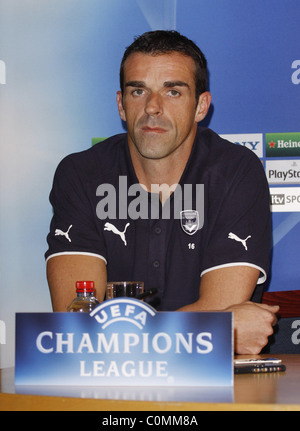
{"points": [[159, 105]]}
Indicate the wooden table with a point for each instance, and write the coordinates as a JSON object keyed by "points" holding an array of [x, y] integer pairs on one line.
{"points": [[271, 391]]}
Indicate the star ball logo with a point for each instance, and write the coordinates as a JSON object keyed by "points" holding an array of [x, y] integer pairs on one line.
{"points": [[125, 310], [282, 144]]}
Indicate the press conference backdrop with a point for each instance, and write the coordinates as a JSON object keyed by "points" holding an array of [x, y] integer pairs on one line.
{"points": [[59, 64]]}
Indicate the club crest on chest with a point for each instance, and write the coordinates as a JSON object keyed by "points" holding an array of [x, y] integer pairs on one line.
{"points": [[190, 222]]}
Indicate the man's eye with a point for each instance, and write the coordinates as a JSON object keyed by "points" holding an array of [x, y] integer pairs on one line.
{"points": [[138, 92], [173, 93]]}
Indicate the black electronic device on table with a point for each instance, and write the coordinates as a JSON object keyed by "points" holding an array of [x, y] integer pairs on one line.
{"points": [[258, 366]]}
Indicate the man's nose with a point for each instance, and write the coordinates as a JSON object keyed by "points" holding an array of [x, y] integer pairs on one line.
{"points": [[154, 104]]}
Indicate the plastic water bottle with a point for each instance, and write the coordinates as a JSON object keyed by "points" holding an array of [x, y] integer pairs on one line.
{"points": [[85, 300]]}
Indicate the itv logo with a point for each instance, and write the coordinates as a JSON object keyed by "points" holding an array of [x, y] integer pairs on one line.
{"points": [[285, 199], [277, 199]]}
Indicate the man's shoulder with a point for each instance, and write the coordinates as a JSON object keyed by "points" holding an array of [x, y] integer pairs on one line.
{"points": [[219, 150], [108, 144], [218, 143], [105, 148], [100, 157]]}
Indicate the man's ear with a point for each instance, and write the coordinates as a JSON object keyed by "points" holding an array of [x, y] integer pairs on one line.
{"points": [[203, 106], [120, 105]]}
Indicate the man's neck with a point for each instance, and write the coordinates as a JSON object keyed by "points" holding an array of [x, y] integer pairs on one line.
{"points": [[168, 170]]}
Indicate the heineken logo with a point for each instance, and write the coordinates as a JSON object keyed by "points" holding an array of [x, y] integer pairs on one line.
{"points": [[283, 144]]}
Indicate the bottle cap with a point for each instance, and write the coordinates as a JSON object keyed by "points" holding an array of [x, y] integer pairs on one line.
{"points": [[85, 286]]}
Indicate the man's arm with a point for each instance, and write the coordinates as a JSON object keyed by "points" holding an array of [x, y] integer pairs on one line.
{"points": [[64, 271], [221, 288], [230, 289]]}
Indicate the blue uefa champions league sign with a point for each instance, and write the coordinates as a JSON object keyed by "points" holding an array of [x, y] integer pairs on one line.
{"points": [[124, 342]]}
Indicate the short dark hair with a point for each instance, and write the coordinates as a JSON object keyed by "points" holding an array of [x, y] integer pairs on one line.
{"points": [[164, 42]]}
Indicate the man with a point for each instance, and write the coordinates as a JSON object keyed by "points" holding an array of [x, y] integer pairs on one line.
{"points": [[212, 247]]}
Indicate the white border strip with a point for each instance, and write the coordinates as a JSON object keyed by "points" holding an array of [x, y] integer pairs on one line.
{"points": [[261, 279], [76, 253]]}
